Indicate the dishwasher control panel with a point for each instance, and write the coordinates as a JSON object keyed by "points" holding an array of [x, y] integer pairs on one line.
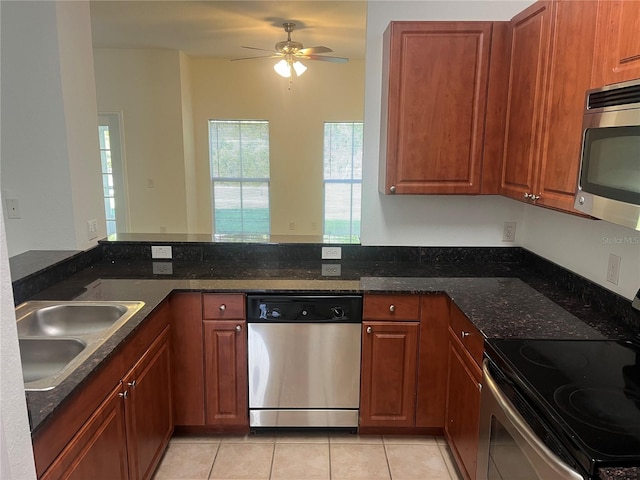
{"points": [[304, 308]]}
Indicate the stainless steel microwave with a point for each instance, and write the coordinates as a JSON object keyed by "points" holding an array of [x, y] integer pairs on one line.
{"points": [[609, 180]]}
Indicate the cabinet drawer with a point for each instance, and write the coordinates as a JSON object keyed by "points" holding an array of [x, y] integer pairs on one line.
{"points": [[469, 335], [391, 307], [217, 306]]}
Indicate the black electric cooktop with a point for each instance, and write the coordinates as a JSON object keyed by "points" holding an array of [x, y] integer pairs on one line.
{"points": [[587, 390]]}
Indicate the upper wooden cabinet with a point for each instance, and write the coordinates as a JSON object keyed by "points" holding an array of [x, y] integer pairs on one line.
{"points": [[435, 81], [552, 46], [617, 42]]}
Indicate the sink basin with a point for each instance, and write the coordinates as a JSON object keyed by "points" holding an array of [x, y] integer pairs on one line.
{"points": [[56, 337], [69, 320], [44, 357]]}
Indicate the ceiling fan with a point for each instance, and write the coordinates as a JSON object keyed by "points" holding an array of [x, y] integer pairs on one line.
{"points": [[291, 52]]}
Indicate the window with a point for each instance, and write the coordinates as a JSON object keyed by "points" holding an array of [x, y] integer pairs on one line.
{"points": [[239, 154], [342, 180], [112, 172]]}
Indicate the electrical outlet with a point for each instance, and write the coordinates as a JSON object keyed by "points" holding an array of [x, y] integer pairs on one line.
{"points": [[162, 268], [509, 232], [13, 208], [331, 269], [92, 229], [161, 252], [292, 225], [613, 269], [331, 253]]}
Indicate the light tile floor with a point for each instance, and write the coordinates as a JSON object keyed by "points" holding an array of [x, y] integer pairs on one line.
{"points": [[308, 456]]}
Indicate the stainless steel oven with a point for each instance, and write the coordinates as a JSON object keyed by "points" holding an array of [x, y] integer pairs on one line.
{"points": [[559, 409], [509, 448], [304, 360]]}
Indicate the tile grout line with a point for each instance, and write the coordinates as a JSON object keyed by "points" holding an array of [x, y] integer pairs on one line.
{"points": [[273, 456], [386, 457], [214, 458]]}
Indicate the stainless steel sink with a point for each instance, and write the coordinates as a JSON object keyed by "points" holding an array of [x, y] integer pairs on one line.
{"points": [[57, 337], [68, 320], [45, 357]]}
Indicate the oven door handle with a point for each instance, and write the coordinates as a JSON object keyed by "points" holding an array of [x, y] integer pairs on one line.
{"points": [[549, 459]]}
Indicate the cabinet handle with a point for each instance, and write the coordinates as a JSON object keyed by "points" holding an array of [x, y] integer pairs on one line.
{"points": [[238, 328], [132, 384], [392, 189], [464, 334], [369, 329], [223, 307], [527, 195], [392, 308], [124, 394], [534, 197]]}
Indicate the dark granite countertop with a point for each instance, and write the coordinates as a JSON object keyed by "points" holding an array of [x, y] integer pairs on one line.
{"points": [[504, 300]]}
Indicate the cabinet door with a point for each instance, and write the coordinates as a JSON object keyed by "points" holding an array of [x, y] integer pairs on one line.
{"points": [[187, 366], [573, 32], [618, 42], [148, 408], [99, 450], [432, 361], [434, 105], [225, 345], [530, 35], [463, 408], [388, 379]]}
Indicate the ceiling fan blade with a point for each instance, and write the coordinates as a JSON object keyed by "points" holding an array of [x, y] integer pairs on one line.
{"points": [[326, 59], [261, 56], [256, 48], [314, 50]]}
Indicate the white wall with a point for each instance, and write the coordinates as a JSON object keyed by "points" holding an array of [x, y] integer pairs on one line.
{"points": [[583, 246], [49, 125], [145, 87], [16, 454], [425, 220]]}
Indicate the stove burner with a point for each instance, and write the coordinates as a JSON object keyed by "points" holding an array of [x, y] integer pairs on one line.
{"points": [[610, 409], [547, 356]]}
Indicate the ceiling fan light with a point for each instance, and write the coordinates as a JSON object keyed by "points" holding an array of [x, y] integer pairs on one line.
{"points": [[282, 68], [299, 68]]}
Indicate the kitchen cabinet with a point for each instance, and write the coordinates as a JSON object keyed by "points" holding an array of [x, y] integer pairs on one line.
{"points": [[466, 348], [617, 56], [225, 362], [148, 409], [119, 423], [187, 366], [432, 361], [99, 450], [552, 46], [389, 363], [404, 369], [435, 83]]}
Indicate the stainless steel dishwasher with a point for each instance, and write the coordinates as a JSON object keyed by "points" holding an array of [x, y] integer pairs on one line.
{"points": [[304, 360]]}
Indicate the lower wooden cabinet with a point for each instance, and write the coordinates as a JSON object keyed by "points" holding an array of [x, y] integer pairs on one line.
{"points": [[126, 435], [463, 399], [187, 366], [148, 409], [99, 450], [225, 369], [388, 378]]}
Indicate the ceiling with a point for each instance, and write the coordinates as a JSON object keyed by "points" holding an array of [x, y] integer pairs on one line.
{"points": [[221, 28]]}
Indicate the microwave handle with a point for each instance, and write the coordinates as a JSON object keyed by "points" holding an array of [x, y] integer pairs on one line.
{"points": [[545, 460]]}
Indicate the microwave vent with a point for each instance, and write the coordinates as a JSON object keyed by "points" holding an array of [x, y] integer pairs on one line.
{"points": [[614, 97]]}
